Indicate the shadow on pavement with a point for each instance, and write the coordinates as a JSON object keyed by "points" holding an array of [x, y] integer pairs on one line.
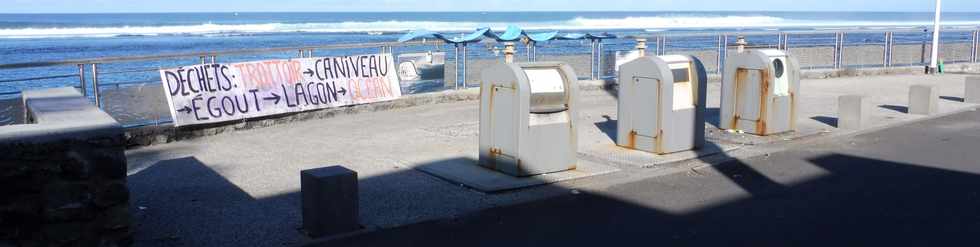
{"points": [[608, 127], [861, 201], [830, 121], [184, 202], [953, 98], [712, 116], [898, 108]]}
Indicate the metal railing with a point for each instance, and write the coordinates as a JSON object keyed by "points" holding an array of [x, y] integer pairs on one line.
{"points": [[848, 48]]}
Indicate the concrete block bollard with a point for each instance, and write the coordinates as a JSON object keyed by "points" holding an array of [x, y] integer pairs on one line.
{"points": [[972, 94], [923, 99], [330, 200], [854, 112]]}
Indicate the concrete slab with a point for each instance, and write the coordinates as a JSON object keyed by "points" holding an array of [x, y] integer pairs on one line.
{"points": [[854, 111], [923, 99], [971, 90], [617, 155], [467, 172]]}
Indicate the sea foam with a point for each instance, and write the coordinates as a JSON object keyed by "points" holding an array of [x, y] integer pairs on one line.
{"points": [[664, 22]]}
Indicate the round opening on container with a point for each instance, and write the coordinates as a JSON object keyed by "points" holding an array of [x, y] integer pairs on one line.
{"points": [[777, 65]]}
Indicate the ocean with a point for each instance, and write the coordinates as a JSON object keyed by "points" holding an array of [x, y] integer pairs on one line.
{"points": [[26, 38]]}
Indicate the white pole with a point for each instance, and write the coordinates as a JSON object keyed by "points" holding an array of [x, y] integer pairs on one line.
{"points": [[935, 38]]}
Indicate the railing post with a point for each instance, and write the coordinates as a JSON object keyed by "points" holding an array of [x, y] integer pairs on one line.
{"points": [[976, 46], [309, 53], [95, 85], [656, 42], [81, 79], [592, 61], [663, 43], [887, 62], [463, 74], [214, 59], [779, 41], [528, 48], [598, 63], [839, 50], [843, 46], [301, 52], [724, 56], [721, 53], [456, 66], [786, 42]]}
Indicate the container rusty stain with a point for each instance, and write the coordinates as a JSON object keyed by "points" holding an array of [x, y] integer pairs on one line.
{"points": [[632, 139], [658, 142], [760, 124], [792, 110], [740, 76]]}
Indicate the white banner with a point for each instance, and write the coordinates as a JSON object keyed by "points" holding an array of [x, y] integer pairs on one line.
{"points": [[211, 93]]}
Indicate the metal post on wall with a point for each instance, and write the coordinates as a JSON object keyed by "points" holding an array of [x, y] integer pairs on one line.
{"points": [[95, 85], [840, 51], [81, 79], [843, 38], [786, 42], [530, 45], [721, 53], [456, 67], [779, 41], [976, 46], [724, 56], [463, 74], [887, 60], [592, 61], [598, 62], [659, 47], [534, 51], [663, 43], [891, 48]]}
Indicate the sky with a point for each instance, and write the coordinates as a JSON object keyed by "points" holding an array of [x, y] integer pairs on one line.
{"points": [[112, 6]]}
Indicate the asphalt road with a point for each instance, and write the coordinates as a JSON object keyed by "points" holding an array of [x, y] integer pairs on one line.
{"points": [[911, 185]]}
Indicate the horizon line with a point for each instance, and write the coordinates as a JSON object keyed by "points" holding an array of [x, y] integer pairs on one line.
{"points": [[495, 11]]}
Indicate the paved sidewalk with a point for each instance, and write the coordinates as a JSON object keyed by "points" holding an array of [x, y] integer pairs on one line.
{"points": [[911, 185], [241, 188]]}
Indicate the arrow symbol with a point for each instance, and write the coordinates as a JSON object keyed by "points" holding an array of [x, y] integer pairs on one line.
{"points": [[274, 97], [343, 91], [186, 109], [308, 72]]}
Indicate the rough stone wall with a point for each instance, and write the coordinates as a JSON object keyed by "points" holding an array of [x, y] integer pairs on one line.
{"points": [[65, 193], [63, 182]]}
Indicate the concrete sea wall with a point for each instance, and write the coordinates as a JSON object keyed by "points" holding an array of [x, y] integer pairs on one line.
{"points": [[63, 175]]}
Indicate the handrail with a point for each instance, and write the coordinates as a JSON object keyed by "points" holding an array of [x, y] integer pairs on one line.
{"points": [[796, 32], [39, 78], [206, 54]]}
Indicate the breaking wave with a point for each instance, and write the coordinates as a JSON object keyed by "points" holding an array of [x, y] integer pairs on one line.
{"points": [[641, 23]]}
